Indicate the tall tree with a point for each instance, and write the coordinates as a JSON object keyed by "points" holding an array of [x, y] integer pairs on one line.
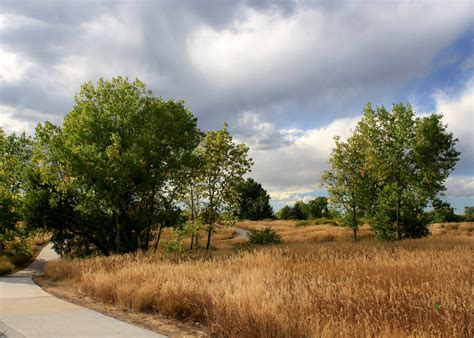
{"points": [[15, 155], [223, 163], [410, 158], [254, 201], [348, 180], [112, 163], [406, 161]]}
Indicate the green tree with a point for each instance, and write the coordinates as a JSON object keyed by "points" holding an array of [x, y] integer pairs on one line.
{"points": [[405, 161], [15, 155], [284, 213], [108, 170], [223, 163], [349, 181], [318, 207], [410, 159], [299, 211], [254, 201], [469, 213]]}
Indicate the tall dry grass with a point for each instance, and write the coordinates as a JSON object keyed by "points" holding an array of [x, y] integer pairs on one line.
{"points": [[291, 233], [416, 288]]}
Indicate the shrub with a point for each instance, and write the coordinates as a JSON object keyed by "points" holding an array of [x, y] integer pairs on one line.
{"points": [[20, 258], [265, 236], [5, 265], [304, 223], [325, 220]]}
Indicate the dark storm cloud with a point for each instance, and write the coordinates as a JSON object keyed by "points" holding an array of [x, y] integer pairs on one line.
{"points": [[286, 75], [331, 60]]}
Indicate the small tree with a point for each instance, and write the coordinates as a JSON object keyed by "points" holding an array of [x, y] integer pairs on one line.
{"points": [[318, 207], [348, 180], [223, 163], [284, 213]]}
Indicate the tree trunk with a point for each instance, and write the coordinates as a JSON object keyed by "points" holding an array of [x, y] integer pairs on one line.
{"points": [[117, 233], [354, 224], [209, 233], [192, 242], [399, 230], [158, 237]]}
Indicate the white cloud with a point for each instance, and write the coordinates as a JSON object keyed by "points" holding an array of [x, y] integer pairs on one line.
{"points": [[13, 67], [460, 186], [291, 163], [10, 124], [297, 158], [458, 110]]}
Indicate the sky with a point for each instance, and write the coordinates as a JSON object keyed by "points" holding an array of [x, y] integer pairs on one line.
{"points": [[286, 75]]}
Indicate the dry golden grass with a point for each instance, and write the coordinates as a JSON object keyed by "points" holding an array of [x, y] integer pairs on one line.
{"points": [[222, 238], [290, 233], [416, 288], [456, 229]]}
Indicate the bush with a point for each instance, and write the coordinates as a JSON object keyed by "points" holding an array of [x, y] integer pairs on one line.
{"points": [[325, 220], [5, 265], [20, 258], [304, 223], [265, 236]]}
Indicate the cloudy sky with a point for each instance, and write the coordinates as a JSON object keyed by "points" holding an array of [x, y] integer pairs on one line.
{"points": [[286, 75]]}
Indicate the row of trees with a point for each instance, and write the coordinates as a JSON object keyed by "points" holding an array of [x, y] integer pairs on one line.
{"points": [[392, 167], [121, 168], [313, 209]]}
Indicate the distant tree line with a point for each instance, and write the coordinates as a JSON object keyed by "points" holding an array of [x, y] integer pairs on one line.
{"points": [[313, 209], [123, 165]]}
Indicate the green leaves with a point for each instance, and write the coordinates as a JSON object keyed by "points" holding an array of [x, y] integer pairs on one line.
{"points": [[391, 167], [113, 167], [223, 164], [254, 201]]}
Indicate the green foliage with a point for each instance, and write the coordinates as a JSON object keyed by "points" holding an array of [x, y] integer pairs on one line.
{"points": [[263, 237], [113, 170], [469, 214], [223, 164], [15, 155], [391, 168], [254, 201], [318, 207], [442, 212], [313, 209], [304, 223], [284, 213], [326, 220]]}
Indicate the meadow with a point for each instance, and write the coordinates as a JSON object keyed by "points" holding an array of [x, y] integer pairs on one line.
{"points": [[318, 284]]}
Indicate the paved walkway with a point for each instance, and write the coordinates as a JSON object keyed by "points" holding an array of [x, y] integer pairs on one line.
{"points": [[28, 311]]}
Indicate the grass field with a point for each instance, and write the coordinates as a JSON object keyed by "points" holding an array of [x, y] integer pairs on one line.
{"points": [[12, 259], [310, 287]]}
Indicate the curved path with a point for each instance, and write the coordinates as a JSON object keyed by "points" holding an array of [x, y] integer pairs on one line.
{"points": [[28, 311]]}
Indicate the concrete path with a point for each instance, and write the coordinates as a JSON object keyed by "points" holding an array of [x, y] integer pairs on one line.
{"points": [[28, 311]]}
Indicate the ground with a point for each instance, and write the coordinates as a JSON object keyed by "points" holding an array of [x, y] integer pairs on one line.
{"points": [[316, 283]]}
